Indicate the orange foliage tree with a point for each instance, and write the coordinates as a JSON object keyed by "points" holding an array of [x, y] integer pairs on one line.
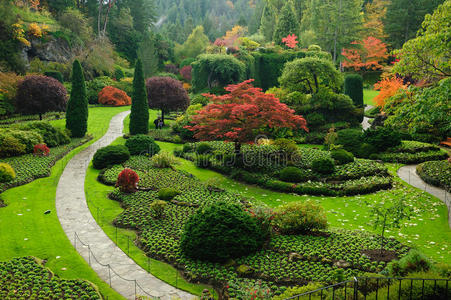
{"points": [[368, 55], [388, 87], [115, 97]]}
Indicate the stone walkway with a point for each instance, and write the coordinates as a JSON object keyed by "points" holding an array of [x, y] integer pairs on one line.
{"points": [[366, 124], [76, 219], [409, 175]]}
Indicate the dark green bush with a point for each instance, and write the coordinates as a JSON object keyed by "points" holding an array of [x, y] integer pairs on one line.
{"points": [[300, 217], [142, 144], [382, 138], [342, 156], [351, 139], [187, 148], [366, 151], [167, 194], [220, 232], [110, 155], [292, 174], [118, 73], [55, 74], [323, 166], [354, 88], [203, 148], [316, 138], [315, 119], [414, 261], [52, 136], [199, 99], [27, 138]]}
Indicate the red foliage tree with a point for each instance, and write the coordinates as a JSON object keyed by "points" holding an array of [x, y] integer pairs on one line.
{"points": [[41, 150], [242, 114], [368, 55], [186, 73], [115, 97], [166, 94], [290, 41], [127, 181], [40, 94]]}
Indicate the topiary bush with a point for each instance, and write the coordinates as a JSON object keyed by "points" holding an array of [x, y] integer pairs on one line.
{"points": [[10, 146], [110, 155], [203, 148], [55, 74], [142, 144], [354, 88], [163, 160], [52, 136], [220, 232], [350, 139], [114, 97], [292, 174], [342, 156], [299, 218], [167, 194], [382, 138], [6, 173], [323, 166], [127, 181], [77, 107], [27, 138]]}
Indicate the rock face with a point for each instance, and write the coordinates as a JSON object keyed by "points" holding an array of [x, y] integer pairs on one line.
{"points": [[54, 50]]}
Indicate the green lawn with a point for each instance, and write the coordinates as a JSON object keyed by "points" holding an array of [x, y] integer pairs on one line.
{"points": [[25, 230], [368, 96]]}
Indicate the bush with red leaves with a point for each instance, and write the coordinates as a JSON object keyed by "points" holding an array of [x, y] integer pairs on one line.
{"points": [[38, 94], [127, 181], [171, 69], [114, 97], [186, 73], [41, 150]]}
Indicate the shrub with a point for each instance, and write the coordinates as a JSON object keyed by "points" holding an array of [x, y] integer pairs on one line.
{"points": [[292, 174], [10, 146], [342, 156], [6, 173], [77, 107], [28, 138], [351, 139], [114, 97], [382, 138], [414, 261], [118, 73], [139, 116], [203, 161], [366, 151], [55, 74], [95, 86], [323, 166], [203, 148], [52, 136], [127, 181], [437, 173], [168, 194], [186, 73], [163, 160], [110, 155], [40, 94], [220, 232], [315, 119], [300, 217], [187, 62], [354, 88], [286, 147], [298, 290], [199, 99], [142, 144], [187, 148], [41, 150], [157, 208]]}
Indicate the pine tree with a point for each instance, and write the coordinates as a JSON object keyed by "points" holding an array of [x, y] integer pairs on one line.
{"points": [[147, 53], [267, 22], [288, 23], [77, 108], [139, 117]]}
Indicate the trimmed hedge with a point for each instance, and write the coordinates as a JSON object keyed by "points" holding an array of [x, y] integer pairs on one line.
{"points": [[323, 166], [293, 174], [142, 144], [110, 155], [437, 173], [342, 156]]}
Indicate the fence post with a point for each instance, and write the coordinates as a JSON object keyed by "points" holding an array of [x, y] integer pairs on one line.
{"points": [[135, 290], [356, 287], [89, 255], [128, 245], [109, 273], [399, 293], [75, 240], [116, 235]]}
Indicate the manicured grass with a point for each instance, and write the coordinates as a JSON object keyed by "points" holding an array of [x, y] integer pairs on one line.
{"points": [[368, 96], [26, 231]]}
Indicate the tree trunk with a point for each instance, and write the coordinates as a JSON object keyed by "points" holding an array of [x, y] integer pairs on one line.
{"points": [[40, 117], [238, 155], [162, 116], [99, 17], [383, 231]]}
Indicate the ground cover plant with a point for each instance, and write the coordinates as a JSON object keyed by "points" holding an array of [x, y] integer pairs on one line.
{"points": [[437, 173], [285, 261], [27, 277]]}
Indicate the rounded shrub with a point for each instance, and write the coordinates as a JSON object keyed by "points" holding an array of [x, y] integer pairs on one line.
{"points": [[323, 166], [366, 151], [127, 181], [220, 232], [203, 148], [167, 194], [55, 74], [286, 147], [118, 73], [292, 174], [299, 217], [382, 138], [199, 99], [350, 139], [142, 144], [52, 136], [6, 173], [110, 155], [315, 119], [354, 88], [10, 146], [342, 156], [114, 97], [163, 160]]}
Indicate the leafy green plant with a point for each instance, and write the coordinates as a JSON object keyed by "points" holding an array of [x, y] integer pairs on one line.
{"points": [[6, 173], [142, 144], [164, 160], [110, 155], [323, 166], [342, 156], [437, 173], [300, 217], [167, 194], [203, 148], [293, 174], [157, 208]]}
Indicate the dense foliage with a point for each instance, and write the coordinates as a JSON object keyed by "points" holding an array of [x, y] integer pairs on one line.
{"points": [[77, 107], [6, 173], [139, 116], [142, 145], [127, 181], [110, 155], [437, 173], [112, 96], [300, 217]]}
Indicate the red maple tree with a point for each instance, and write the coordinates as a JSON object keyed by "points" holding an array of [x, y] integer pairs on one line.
{"points": [[242, 114], [367, 56], [290, 41], [127, 181]]}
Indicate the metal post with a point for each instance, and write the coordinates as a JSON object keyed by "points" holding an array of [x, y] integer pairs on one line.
{"points": [[128, 245], [89, 254], [135, 290], [148, 264], [109, 273], [399, 292], [75, 240], [411, 288], [116, 234]]}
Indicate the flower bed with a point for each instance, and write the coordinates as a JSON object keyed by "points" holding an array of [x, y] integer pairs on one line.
{"points": [[27, 278], [411, 158], [437, 173]]}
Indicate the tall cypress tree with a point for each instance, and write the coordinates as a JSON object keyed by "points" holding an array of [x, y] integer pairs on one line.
{"points": [[267, 21], [288, 23], [77, 108], [139, 117]]}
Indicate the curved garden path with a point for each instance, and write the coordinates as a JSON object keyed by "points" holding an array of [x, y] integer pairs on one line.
{"points": [[409, 175], [76, 219]]}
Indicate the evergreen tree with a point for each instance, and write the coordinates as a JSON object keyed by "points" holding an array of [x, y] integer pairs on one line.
{"points": [[148, 55], [268, 20], [139, 117], [287, 24], [77, 108]]}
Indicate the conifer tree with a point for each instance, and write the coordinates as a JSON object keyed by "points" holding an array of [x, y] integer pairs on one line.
{"points": [[287, 24], [267, 22], [139, 117], [77, 107]]}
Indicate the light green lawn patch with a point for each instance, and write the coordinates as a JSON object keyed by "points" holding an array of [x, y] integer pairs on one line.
{"points": [[368, 96], [26, 231]]}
